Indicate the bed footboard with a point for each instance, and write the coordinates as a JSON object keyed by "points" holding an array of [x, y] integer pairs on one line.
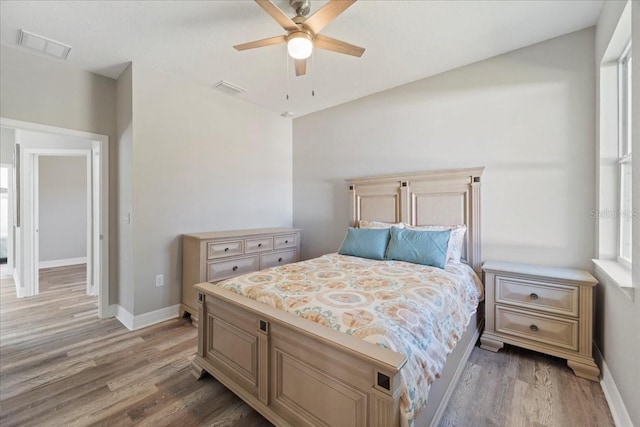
{"points": [[294, 372]]}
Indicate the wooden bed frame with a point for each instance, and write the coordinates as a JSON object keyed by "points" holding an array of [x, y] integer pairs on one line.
{"points": [[299, 373]]}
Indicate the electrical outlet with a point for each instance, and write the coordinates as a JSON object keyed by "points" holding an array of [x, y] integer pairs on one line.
{"points": [[160, 280]]}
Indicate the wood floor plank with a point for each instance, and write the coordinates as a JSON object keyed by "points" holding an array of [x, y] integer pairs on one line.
{"points": [[62, 366]]}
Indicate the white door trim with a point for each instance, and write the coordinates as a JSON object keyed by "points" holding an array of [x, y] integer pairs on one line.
{"points": [[100, 191]]}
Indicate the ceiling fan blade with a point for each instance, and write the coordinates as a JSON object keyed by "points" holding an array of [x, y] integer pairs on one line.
{"points": [[326, 14], [334, 45], [261, 43], [277, 14], [301, 66]]}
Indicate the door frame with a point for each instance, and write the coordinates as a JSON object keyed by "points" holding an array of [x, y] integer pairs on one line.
{"points": [[98, 145]]}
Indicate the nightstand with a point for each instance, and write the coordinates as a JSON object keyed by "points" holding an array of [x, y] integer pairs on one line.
{"points": [[544, 309]]}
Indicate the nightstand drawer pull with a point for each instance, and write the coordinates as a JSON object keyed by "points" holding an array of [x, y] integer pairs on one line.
{"points": [[534, 328], [280, 259], [226, 249], [533, 296], [235, 268], [259, 245]]}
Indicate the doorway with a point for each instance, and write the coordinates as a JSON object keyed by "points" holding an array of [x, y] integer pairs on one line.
{"points": [[6, 221], [33, 142], [62, 211]]}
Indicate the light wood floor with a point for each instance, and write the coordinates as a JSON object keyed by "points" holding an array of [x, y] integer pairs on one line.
{"points": [[62, 366]]}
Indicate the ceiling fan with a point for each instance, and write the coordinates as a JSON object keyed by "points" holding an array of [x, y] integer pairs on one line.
{"points": [[302, 32]]}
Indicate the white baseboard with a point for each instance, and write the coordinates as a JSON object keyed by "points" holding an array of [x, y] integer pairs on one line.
{"points": [[133, 323], [112, 311], [6, 272], [618, 410], [62, 262]]}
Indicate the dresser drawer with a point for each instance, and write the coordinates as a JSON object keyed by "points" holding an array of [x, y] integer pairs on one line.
{"points": [[285, 241], [220, 270], [552, 298], [278, 258], [258, 245], [545, 329], [224, 249]]}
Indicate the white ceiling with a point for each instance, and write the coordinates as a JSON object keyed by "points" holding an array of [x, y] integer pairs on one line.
{"points": [[405, 41]]}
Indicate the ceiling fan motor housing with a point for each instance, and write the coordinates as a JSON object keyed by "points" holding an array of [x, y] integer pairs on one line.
{"points": [[302, 7]]}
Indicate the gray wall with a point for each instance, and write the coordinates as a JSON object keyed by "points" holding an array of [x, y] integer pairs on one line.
{"points": [[617, 316], [7, 145], [62, 207], [124, 129], [200, 161], [527, 116], [183, 158], [40, 90]]}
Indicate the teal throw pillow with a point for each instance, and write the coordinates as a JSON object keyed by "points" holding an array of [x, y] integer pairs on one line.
{"points": [[365, 243], [419, 246]]}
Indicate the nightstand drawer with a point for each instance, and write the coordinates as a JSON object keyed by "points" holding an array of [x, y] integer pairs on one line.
{"points": [[217, 271], [552, 298], [278, 258], [224, 249], [258, 245], [545, 329]]}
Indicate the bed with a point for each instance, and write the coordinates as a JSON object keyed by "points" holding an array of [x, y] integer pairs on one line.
{"points": [[335, 370]]}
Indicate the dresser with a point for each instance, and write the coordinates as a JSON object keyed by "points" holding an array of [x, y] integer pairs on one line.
{"points": [[545, 309], [218, 255]]}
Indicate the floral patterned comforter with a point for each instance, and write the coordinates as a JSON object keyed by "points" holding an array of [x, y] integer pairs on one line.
{"points": [[415, 310]]}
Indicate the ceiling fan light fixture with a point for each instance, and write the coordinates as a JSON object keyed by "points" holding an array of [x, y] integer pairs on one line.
{"points": [[299, 45]]}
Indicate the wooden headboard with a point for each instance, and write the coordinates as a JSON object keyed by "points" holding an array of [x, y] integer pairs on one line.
{"points": [[443, 197]]}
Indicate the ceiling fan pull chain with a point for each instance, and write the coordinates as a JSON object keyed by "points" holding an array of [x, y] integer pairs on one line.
{"points": [[313, 69], [286, 58]]}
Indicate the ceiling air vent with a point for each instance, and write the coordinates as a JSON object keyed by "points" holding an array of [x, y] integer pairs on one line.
{"points": [[44, 45], [228, 88]]}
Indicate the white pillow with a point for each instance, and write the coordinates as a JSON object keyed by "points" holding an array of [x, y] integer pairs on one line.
{"points": [[456, 240], [363, 223]]}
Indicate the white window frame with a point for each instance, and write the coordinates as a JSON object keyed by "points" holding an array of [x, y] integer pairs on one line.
{"points": [[624, 157]]}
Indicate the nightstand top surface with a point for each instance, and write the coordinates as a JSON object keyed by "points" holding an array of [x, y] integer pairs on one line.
{"points": [[571, 274]]}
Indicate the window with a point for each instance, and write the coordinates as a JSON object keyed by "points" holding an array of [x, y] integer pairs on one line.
{"points": [[626, 213]]}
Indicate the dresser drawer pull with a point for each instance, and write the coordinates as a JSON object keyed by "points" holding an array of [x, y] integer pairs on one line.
{"points": [[286, 241], [280, 259], [235, 267], [533, 296], [259, 245], [226, 249], [533, 328]]}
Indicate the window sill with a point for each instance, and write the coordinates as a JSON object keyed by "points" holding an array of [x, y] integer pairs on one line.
{"points": [[617, 273]]}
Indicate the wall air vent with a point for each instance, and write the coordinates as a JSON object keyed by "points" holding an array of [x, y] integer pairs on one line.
{"points": [[228, 88], [43, 45]]}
